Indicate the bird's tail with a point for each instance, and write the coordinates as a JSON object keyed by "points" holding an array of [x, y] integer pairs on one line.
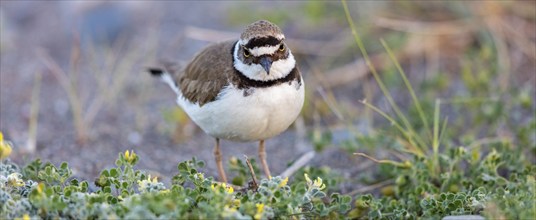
{"points": [[167, 74]]}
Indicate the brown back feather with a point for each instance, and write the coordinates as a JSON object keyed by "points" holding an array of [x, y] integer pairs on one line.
{"points": [[208, 72]]}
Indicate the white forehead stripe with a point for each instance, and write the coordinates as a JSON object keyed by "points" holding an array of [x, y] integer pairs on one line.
{"points": [[259, 51]]}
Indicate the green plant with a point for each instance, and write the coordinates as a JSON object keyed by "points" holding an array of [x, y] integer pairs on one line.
{"points": [[49, 191], [438, 178]]}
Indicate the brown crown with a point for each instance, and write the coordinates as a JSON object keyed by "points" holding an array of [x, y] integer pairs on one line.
{"points": [[260, 28]]}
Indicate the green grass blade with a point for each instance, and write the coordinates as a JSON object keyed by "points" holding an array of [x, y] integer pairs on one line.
{"points": [[443, 129], [410, 130], [408, 86], [435, 140], [407, 135], [391, 162]]}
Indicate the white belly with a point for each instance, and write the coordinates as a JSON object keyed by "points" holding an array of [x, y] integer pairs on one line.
{"points": [[264, 113]]}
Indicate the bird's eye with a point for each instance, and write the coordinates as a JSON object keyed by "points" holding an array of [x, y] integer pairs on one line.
{"points": [[282, 47], [246, 53]]}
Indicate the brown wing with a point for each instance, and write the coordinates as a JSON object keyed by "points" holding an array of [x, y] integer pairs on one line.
{"points": [[208, 72]]}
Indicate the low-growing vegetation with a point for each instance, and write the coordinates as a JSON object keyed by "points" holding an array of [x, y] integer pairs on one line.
{"points": [[47, 191], [459, 139], [495, 184]]}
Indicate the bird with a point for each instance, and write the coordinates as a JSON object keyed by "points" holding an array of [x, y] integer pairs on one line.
{"points": [[244, 90]]}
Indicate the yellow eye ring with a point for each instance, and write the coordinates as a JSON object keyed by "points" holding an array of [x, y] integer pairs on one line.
{"points": [[246, 53], [282, 48]]}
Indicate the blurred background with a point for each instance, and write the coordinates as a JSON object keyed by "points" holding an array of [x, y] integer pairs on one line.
{"points": [[73, 86]]}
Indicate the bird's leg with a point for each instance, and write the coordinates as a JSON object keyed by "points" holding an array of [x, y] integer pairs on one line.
{"points": [[262, 156], [217, 155]]}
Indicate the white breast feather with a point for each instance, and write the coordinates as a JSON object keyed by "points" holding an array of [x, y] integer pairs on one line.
{"points": [[263, 114]]}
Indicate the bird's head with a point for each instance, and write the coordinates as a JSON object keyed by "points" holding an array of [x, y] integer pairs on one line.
{"points": [[261, 53]]}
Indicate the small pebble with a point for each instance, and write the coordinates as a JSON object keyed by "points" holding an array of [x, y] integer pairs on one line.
{"points": [[463, 217], [134, 138]]}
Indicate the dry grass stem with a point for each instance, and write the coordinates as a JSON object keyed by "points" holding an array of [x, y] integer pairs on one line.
{"points": [[72, 94], [357, 70], [394, 163], [503, 56], [463, 26], [331, 102], [301, 134], [254, 186], [371, 187], [302, 161], [489, 140], [34, 115]]}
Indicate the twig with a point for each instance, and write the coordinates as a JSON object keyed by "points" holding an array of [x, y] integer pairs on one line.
{"points": [[519, 39], [300, 143], [111, 84], [74, 75], [488, 140], [72, 94], [503, 56], [210, 35], [331, 102], [302, 161], [352, 72], [394, 163], [254, 186], [461, 26], [371, 187], [34, 114], [369, 157]]}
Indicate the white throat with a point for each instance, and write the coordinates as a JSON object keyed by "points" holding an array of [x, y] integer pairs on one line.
{"points": [[279, 69]]}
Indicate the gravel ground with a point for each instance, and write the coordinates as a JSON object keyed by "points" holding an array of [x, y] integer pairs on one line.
{"points": [[134, 118]]}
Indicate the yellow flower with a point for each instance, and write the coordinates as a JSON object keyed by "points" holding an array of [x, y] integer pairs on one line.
{"points": [[316, 184], [227, 189], [142, 184], [5, 147], [228, 212], [260, 207], [234, 161], [40, 188], [260, 210], [230, 208], [236, 202], [14, 180], [307, 178], [130, 157], [24, 217], [283, 182]]}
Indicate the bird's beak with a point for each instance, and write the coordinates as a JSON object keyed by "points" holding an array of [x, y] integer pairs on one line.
{"points": [[266, 63]]}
